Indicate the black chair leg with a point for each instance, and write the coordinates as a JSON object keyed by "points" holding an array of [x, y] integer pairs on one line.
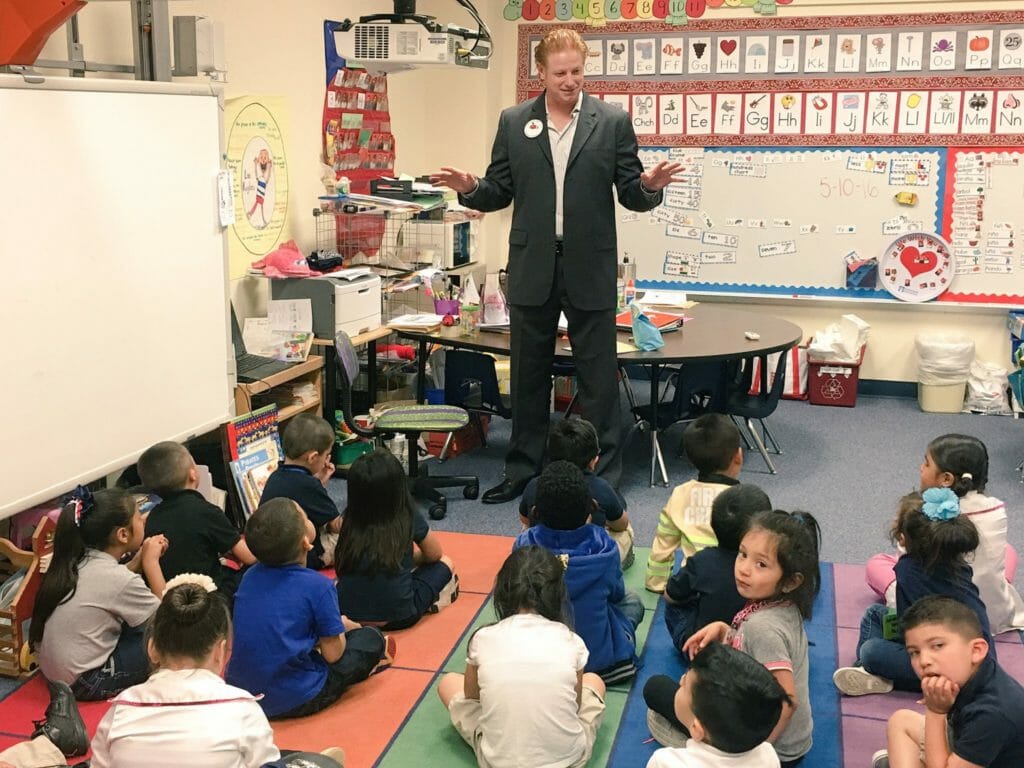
{"points": [[423, 486]]}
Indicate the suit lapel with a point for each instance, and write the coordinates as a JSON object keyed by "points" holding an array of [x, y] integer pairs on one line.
{"points": [[539, 112], [587, 121]]}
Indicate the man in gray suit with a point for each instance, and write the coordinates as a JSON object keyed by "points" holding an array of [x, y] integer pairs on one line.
{"points": [[556, 158]]}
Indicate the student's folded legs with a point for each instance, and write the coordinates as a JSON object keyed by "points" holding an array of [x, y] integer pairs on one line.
{"points": [[127, 665], [364, 649]]}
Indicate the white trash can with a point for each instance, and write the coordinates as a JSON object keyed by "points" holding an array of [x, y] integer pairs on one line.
{"points": [[944, 363]]}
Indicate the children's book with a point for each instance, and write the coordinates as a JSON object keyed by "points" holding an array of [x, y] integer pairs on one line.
{"points": [[663, 321], [257, 464], [248, 430]]}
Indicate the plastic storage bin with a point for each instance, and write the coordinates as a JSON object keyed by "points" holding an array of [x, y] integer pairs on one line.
{"points": [[831, 382]]}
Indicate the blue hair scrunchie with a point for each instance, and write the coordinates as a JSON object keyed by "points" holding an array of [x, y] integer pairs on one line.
{"points": [[82, 498], [940, 504]]}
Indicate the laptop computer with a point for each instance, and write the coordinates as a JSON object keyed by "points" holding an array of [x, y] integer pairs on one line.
{"points": [[249, 367]]}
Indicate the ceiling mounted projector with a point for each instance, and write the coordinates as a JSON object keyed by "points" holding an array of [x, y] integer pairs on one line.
{"points": [[406, 40]]}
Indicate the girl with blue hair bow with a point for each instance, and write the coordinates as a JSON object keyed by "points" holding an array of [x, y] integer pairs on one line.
{"points": [[960, 463], [937, 539]]}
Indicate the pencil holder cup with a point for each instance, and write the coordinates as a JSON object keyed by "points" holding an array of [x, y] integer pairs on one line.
{"points": [[446, 307]]}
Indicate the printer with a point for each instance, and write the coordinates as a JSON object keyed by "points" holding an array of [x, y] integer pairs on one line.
{"points": [[353, 306]]}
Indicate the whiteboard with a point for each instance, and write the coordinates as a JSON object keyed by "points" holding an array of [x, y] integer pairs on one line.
{"points": [[786, 221], [113, 305]]}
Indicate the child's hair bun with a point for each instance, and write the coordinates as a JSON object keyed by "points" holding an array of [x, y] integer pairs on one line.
{"points": [[189, 596]]}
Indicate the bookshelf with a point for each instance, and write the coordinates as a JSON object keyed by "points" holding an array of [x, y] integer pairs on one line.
{"points": [[251, 395]]}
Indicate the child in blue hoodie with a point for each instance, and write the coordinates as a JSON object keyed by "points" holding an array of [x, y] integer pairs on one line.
{"points": [[605, 614]]}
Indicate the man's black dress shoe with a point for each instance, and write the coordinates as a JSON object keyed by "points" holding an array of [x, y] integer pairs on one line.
{"points": [[506, 490]]}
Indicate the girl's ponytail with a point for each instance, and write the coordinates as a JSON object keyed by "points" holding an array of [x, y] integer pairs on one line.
{"points": [[933, 531], [87, 521]]}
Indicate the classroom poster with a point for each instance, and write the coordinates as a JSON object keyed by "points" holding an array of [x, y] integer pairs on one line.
{"points": [[255, 137]]}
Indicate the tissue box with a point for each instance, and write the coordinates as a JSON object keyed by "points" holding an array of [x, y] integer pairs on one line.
{"points": [[832, 382]]}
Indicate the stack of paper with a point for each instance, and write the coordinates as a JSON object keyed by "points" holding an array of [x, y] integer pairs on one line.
{"points": [[424, 322]]}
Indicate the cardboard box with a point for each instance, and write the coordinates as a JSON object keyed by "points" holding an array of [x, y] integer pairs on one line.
{"points": [[834, 383]]}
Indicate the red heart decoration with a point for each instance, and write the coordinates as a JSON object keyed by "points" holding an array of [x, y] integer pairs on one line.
{"points": [[916, 262], [727, 46]]}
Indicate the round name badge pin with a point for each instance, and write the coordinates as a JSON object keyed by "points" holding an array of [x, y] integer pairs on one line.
{"points": [[533, 129]]}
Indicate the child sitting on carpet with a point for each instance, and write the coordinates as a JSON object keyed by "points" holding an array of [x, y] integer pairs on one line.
{"points": [[712, 444], [525, 699], [185, 714], [90, 613], [575, 441], [974, 711], [197, 532], [937, 538], [291, 643], [960, 463], [391, 568], [777, 573], [605, 613], [308, 441], [729, 704], [704, 589]]}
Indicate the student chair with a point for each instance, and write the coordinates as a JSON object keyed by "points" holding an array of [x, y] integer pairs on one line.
{"points": [[471, 382], [739, 403], [408, 420], [700, 388]]}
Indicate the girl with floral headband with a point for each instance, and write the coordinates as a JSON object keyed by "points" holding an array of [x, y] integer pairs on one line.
{"points": [[960, 463], [937, 538], [90, 613]]}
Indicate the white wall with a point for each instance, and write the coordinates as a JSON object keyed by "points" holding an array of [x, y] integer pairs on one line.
{"points": [[449, 117]]}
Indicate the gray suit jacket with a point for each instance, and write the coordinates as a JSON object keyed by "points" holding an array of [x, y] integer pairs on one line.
{"points": [[603, 154]]}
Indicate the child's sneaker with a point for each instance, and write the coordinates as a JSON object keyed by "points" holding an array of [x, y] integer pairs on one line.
{"points": [[664, 732], [62, 723], [338, 755], [857, 681], [448, 595], [880, 759], [629, 559], [390, 651]]}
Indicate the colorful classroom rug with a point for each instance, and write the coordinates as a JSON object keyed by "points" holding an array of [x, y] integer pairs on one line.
{"points": [[395, 719]]}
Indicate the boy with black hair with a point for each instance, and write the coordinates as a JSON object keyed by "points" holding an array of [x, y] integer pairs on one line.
{"points": [[303, 476], [704, 589], [197, 532], [291, 643], [729, 704], [606, 615], [575, 441], [712, 444], [974, 711]]}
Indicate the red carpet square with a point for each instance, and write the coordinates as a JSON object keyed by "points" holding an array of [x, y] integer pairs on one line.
{"points": [[477, 558], [362, 722]]}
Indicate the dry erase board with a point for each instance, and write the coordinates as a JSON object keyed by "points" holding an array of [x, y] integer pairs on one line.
{"points": [[113, 306], [787, 221]]}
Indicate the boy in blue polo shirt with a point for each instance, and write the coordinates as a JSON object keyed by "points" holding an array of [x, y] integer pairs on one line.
{"points": [[974, 711], [291, 643]]}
